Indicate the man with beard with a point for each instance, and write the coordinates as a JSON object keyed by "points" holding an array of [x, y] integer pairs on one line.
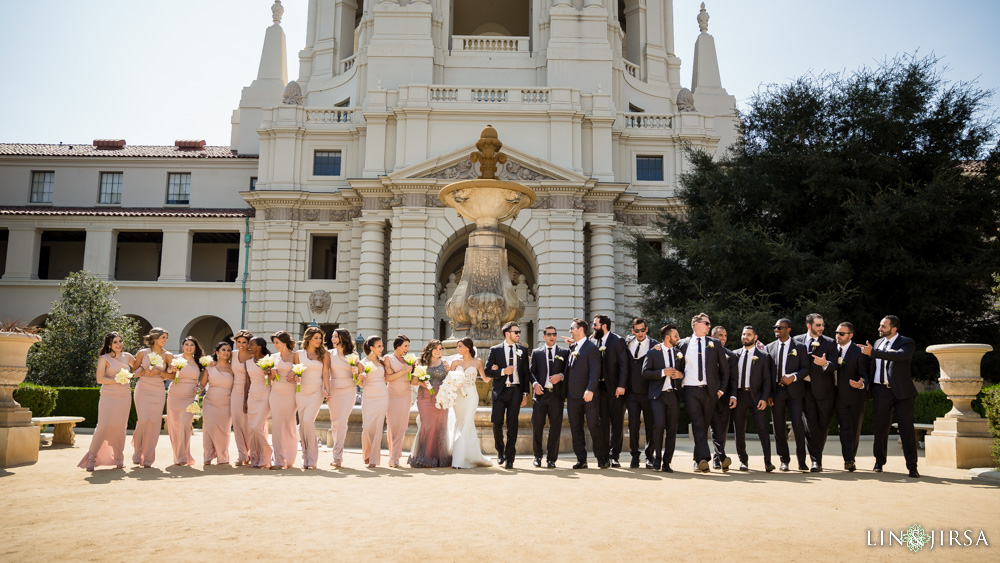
{"points": [[893, 390], [789, 366], [820, 390], [583, 373], [663, 368], [720, 418], [640, 408], [852, 377], [750, 386], [611, 396]]}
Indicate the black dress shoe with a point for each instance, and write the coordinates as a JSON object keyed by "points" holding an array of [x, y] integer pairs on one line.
{"points": [[509, 464], [580, 465], [656, 466], [744, 467], [537, 462], [666, 468], [605, 465], [635, 463], [803, 467], [615, 463], [726, 462], [716, 464], [649, 465], [914, 474], [877, 468], [551, 465], [770, 467], [500, 459], [702, 466], [849, 466], [784, 466], [816, 468]]}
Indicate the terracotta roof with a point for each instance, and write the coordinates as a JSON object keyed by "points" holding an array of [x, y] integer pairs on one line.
{"points": [[148, 151], [126, 211]]}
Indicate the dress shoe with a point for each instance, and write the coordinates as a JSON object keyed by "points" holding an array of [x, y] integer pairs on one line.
{"points": [[914, 474], [784, 466], [649, 465], [666, 468], [702, 466], [615, 463], [816, 468], [635, 463], [803, 467], [509, 464], [551, 465], [877, 468], [726, 462], [500, 459], [770, 467], [605, 465], [580, 465], [656, 466], [744, 467], [716, 464], [537, 462], [849, 466]]}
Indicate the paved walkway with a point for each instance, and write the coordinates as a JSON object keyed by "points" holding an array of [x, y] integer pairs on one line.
{"points": [[54, 511]]}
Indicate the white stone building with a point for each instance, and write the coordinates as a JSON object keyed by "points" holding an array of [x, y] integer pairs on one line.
{"points": [[336, 182]]}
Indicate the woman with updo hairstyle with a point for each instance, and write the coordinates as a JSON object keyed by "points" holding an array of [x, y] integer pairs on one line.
{"points": [[311, 390], [431, 447], [150, 396], [284, 435], [374, 401], [216, 413], [108, 444], [397, 416], [342, 391], [258, 405], [183, 391], [238, 398]]}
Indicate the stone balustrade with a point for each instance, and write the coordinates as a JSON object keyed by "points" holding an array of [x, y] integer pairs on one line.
{"points": [[489, 43]]}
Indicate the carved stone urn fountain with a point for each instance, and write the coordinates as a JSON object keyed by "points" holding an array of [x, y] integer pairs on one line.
{"points": [[485, 298]]}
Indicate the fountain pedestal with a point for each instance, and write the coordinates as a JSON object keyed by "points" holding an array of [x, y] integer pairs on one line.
{"points": [[961, 438]]}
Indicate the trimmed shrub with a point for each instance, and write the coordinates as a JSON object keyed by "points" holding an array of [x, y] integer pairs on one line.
{"points": [[930, 405], [83, 401], [39, 399], [990, 401]]}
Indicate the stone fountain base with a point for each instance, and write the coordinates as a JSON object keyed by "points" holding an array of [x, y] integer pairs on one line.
{"points": [[18, 437], [959, 442]]}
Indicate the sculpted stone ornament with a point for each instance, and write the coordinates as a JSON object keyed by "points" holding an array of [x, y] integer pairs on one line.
{"points": [[485, 299], [703, 19], [685, 100], [293, 94], [319, 301], [277, 10]]}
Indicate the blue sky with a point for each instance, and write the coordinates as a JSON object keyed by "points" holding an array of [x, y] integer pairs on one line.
{"points": [[152, 72]]}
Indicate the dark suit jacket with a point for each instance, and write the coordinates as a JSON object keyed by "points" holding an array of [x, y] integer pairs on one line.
{"points": [[716, 363], [898, 360], [821, 378], [539, 363], [636, 383], [497, 358], [797, 365], [652, 371], [614, 363], [856, 366], [760, 375], [583, 372]]}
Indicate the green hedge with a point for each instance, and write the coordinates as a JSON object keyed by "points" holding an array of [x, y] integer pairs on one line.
{"points": [[39, 399], [990, 401], [83, 401]]}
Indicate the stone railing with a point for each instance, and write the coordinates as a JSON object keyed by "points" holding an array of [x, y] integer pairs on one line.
{"points": [[647, 121], [488, 95], [490, 43], [348, 63], [631, 68], [335, 115]]}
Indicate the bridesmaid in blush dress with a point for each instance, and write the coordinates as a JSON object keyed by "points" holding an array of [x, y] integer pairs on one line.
{"points": [[150, 396], [183, 391], [311, 390], [398, 414], [374, 401], [343, 391], [112, 410], [284, 437], [238, 399], [216, 416], [258, 405], [431, 447]]}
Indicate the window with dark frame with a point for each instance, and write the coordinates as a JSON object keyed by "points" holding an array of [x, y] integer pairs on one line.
{"points": [[324, 258], [649, 168], [111, 188], [253, 183], [178, 188], [41, 187], [326, 163]]}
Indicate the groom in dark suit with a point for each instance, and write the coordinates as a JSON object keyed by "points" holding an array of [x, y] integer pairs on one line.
{"points": [[789, 365], [893, 390], [818, 404], [548, 364], [853, 381], [664, 370], [507, 366], [612, 385], [582, 375], [706, 376], [749, 388]]}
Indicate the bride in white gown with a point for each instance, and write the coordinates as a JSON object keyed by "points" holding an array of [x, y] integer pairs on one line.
{"points": [[466, 451]]}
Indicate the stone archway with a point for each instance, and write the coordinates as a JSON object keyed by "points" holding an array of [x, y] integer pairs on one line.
{"points": [[209, 330], [144, 325]]}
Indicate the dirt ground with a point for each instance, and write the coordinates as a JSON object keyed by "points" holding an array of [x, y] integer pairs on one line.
{"points": [[55, 511]]}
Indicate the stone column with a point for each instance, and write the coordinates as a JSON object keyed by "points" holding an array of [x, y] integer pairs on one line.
{"points": [[97, 252], [602, 269], [175, 262], [559, 257], [961, 438], [22, 253], [370, 276], [411, 277]]}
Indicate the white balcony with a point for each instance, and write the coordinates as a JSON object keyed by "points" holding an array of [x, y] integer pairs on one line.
{"points": [[489, 43]]}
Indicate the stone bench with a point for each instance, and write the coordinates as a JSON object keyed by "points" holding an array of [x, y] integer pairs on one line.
{"points": [[920, 429], [62, 427]]}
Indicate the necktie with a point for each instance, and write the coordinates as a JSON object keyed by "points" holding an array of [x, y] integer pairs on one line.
{"points": [[510, 362], [781, 360], [743, 372], [811, 340], [882, 365], [701, 370], [549, 373], [670, 358], [637, 346]]}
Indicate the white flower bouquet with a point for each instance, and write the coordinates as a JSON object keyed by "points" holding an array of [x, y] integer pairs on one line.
{"points": [[411, 360], [423, 377], [194, 407], [298, 369], [205, 361], [155, 359], [352, 359], [123, 377], [266, 363], [450, 388], [178, 364]]}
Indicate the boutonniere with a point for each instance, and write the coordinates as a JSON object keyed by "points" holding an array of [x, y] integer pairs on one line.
{"points": [[815, 344], [755, 358], [711, 344], [575, 354], [603, 348], [518, 352], [794, 352], [680, 356], [840, 361], [560, 358]]}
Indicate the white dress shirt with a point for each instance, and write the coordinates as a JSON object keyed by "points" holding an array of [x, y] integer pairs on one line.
{"points": [[783, 357], [669, 355], [880, 377], [507, 350], [642, 346], [691, 362]]}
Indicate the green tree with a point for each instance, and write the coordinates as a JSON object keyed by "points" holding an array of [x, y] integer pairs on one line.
{"points": [[854, 195], [85, 311]]}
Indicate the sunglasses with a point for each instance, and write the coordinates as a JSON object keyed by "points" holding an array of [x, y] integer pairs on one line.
{"points": [[842, 333], [704, 322], [551, 334], [515, 332], [781, 327], [639, 330]]}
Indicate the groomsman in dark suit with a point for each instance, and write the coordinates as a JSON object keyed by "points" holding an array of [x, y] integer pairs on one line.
{"points": [[893, 390], [611, 392], [820, 388], [853, 381], [749, 388], [507, 366], [637, 391], [706, 377], [663, 369], [548, 363], [720, 418], [583, 373], [789, 364]]}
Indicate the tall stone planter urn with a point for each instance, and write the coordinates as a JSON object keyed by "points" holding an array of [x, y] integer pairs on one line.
{"points": [[18, 437], [961, 438]]}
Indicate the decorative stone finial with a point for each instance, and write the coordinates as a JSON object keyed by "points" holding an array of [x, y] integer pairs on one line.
{"points": [[488, 154], [293, 94], [277, 10], [685, 100], [703, 19]]}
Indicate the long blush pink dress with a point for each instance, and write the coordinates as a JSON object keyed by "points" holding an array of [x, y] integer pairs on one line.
{"points": [[258, 411], [308, 400], [150, 396], [216, 418], [284, 437], [343, 395], [374, 402], [397, 415], [112, 417], [241, 424], [180, 395]]}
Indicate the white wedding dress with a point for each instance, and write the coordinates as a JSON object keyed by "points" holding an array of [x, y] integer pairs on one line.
{"points": [[466, 452]]}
